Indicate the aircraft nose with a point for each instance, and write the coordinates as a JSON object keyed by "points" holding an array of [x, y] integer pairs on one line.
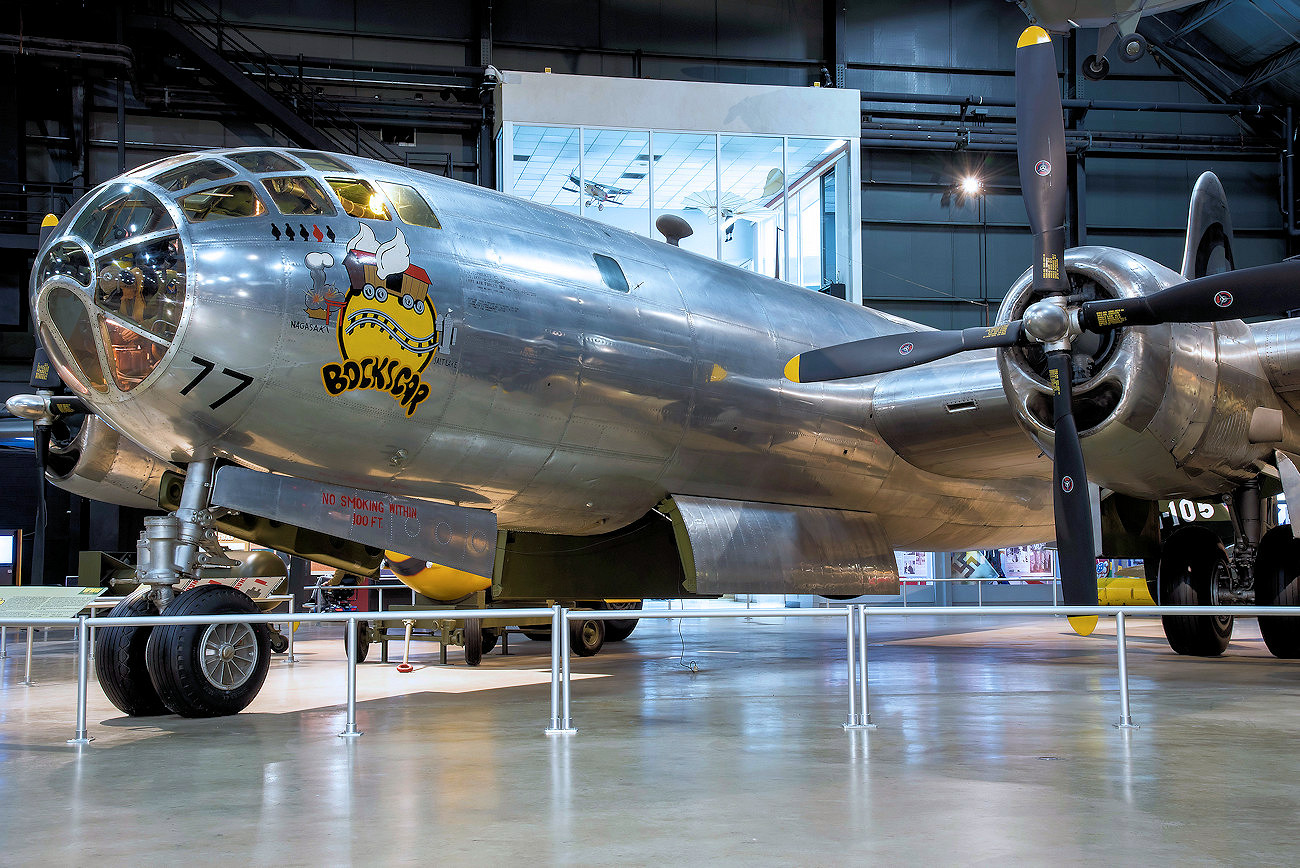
{"points": [[110, 290]]}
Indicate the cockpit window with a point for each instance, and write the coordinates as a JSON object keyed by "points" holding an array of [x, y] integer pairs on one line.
{"points": [[193, 173], [359, 198], [299, 195], [144, 284], [154, 165], [68, 314], [66, 258], [222, 203], [611, 273], [410, 205], [131, 355], [323, 162], [120, 213], [264, 161]]}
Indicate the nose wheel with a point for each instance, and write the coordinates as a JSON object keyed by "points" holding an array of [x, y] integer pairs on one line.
{"points": [[208, 670]]}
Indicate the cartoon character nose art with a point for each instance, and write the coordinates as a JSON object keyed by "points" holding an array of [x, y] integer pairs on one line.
{"points": [[388, 328]]}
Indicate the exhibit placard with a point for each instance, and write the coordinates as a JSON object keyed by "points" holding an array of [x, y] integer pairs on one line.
{"points": [[41, 601]]}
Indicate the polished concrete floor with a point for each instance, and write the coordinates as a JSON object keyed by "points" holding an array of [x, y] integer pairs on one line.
{"points": [[705, 742]]}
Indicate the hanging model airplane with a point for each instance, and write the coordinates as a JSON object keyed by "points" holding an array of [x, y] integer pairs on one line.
{"points": [[548, 408], [597, 194], [1114, 19]]}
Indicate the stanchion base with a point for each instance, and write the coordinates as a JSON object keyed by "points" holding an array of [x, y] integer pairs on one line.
{"points": [[1126, 724], [28, 682], [852, 726], [80, 741], [291, 660], [560, 730], [351, 733]]}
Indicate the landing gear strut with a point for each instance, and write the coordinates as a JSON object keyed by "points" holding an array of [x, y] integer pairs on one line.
{"points": [[194, 670]]}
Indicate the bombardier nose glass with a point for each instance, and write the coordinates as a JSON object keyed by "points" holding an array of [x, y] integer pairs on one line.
{"points": [[127, 307], [144, 284]]}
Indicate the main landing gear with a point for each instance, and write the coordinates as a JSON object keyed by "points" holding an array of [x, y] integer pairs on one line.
{"points": [[194, 670], [1196, 570]]}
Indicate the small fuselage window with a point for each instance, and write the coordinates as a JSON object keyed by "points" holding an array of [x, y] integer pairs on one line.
{"points": [[299, 195], [410, 205], [611, 274], [222, 203], [359, 199]]}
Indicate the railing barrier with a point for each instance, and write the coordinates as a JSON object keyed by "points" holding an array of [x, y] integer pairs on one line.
{"points": [[561, 720]]}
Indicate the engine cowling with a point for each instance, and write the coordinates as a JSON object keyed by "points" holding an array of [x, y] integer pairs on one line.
{"points": [[1162, 410], [99, 463]]}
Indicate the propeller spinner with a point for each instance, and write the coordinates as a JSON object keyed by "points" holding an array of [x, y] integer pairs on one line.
{"points": [[1053, 321]]}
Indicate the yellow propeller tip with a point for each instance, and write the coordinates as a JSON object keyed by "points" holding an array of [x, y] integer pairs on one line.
{"points": [[1083, 624], [792, 370], [49, 221], [1033, 35]]}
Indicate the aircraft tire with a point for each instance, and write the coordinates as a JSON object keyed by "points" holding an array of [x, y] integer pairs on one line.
{"points": [[616, 630], [120, 662], [1192, 562], [363, 641], [209, 670], [1277, 583], [1095, 68], [490, 637], [279, 642], [586, 637], [1132, 47], [473, 632]]}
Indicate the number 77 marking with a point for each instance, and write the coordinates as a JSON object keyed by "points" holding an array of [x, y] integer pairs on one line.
{"points": [[244, 380]]}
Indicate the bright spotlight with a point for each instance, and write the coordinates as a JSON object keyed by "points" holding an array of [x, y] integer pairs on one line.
{"points": [[971, 185]]}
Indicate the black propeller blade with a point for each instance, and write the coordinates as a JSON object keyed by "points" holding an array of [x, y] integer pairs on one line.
{"points": [[1070, 500], [1259, 291], [892, 352], [1040, 151]]}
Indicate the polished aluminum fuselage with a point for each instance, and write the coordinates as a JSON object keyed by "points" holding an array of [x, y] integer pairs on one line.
{"points": [[561, 404]]}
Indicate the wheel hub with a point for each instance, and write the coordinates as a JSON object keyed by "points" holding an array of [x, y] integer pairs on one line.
{"points": [[229, 655]]}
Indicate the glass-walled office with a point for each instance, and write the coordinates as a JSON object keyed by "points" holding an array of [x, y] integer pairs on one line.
{"points": [[775, 205]]}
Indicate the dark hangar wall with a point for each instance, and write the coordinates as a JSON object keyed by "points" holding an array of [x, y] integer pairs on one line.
{"points": [[405, 71]]}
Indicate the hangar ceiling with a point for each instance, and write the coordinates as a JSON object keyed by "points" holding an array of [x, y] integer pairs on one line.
{"points": [[1238, 50]]}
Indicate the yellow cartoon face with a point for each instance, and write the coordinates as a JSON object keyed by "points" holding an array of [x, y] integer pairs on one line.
{"points": [[387, 331]]}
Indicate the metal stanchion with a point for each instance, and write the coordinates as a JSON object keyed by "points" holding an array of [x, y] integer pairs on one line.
{"points": [[1125, 719], [27, 669], [289, 624], [350, 728], [852, 647], [856, 623], [82, 667], [864, 697], [559, 666], [1056, 584], [565, 657], [4, 642]]}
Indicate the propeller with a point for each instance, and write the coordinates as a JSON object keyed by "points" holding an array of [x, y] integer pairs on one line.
{"points": [[1055, 320]]}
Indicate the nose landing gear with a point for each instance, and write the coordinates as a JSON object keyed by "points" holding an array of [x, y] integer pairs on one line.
{"points": [[194, 670]]}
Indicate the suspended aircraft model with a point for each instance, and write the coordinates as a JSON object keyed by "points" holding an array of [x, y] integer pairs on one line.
{"points": [[1112, 18], [597, 194], [336, 357]]}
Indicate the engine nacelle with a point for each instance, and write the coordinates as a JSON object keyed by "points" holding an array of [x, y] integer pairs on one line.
{"points": [[1162, 410], [101, 464]]}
